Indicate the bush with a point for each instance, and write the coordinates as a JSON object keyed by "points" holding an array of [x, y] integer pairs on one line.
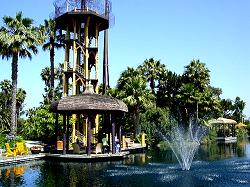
{"points": [[154, 122], [163, 145], [211, 137]]}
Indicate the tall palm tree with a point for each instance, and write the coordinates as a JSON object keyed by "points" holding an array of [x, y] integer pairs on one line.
{"points": [[53, 41], [153, 71], [238, 107], [46, 77], [133, 91], [18, 39], [198, 74]]}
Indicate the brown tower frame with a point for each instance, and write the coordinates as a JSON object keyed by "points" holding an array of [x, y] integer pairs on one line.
{"points": [[81, 21]]}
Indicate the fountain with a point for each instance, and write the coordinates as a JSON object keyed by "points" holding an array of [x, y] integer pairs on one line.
{"points": [[184, 142]]}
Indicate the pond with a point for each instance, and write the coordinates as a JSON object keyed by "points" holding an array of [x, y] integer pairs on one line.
{"points": [[214, 165]]}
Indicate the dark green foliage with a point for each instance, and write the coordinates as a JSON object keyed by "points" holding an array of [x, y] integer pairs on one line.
{"points": [[40, 124], [185, 96], [210, 137], [56, 94], [5, 104], [154, 121], [132, 89]]}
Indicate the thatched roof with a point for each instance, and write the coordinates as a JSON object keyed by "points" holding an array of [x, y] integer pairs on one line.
{"points": [[89, 103], [223, 121], [240, 125]]}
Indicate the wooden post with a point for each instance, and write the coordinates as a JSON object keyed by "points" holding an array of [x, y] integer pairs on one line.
{"points": [[67, 137], [143, 142], [86, 57], [74, 128], [113, 136], [56, 130], [64, 134], [120, 136], [89, 137]]}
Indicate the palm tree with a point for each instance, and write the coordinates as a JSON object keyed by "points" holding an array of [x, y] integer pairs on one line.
{"points": [[238, 107], [52, 42], [197, 74], [153, 71], [227, 107], [46, 77], [132, 89], [18, 39]]}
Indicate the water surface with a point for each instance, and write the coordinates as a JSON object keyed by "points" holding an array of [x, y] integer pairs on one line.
{"points": [[214, 165]]}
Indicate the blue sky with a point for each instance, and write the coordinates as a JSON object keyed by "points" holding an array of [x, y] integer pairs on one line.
{"points": [[172, 31]]}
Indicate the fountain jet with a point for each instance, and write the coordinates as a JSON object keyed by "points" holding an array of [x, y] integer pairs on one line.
{"points": [[184, 141]]}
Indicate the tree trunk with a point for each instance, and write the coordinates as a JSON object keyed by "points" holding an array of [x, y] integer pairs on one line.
{"points": [[14, 72], [152, 85], [52, 67], [136, 119]]}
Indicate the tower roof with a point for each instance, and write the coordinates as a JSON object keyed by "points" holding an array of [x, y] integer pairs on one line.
{"points": [[64, 21]]}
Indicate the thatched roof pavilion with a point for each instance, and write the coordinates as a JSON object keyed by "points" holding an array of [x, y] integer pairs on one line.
{"points": [[89, 104]]}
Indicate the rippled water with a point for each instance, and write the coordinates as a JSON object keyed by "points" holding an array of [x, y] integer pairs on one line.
{"points": [[214, 165]]}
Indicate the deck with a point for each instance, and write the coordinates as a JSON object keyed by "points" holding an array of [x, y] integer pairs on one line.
{"points": [[70, 157], [230, 139], [86, 158]]}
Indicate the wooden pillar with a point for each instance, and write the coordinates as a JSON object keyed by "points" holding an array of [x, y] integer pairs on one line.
{"points": [[96, 59], [120, 136], [56, 130], [66, 63], [143, 140], [86, 57], [74, 128], [123, 142], [67, 137], [89, 136], [113, 136], [64, 134], [96, 126], [224, 130]]}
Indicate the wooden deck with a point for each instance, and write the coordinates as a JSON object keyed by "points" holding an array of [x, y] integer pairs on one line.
{"points": [[230, 139], [19, 159], [86, 158], [71, 157]]}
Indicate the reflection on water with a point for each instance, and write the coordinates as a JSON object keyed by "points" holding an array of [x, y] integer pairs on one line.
{"points": [[214, 165]]}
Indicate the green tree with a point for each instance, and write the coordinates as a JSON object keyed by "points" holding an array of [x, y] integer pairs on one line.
{"points": [[198, 74], [238, 108], [155, 121], [153, 70], [40, 124], [18, 39], [195, 93], [5, 104], [53, 41], [132, 89], [46, 77], [227, 107], [189, 95], [168, 88]]}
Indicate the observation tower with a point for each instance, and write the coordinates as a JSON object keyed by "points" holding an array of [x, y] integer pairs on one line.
{"points": [[81, 22]]}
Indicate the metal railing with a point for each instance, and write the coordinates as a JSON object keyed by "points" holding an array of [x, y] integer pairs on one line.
{"points": [[97, 6], [79, 136], [79, 69]]}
